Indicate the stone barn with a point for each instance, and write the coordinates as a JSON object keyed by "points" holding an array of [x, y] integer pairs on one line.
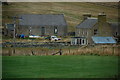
{"points": [[42, 25]]}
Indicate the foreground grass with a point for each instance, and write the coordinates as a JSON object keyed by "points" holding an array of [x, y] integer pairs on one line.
{"points": [[60, 66]]}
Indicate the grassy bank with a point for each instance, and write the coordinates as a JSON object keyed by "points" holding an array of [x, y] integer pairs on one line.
{"points": [[66, 50], [60, 66]]}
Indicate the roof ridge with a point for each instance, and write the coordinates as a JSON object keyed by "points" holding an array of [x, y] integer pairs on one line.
{"points": [[92, 18], [41, 14], [87, 23], [42, 19]]}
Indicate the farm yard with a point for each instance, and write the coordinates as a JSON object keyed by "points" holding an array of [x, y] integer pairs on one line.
{"points": [[60, 66]]}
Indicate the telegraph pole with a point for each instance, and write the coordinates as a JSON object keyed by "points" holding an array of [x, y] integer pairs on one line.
{"points": [[14, 18], [14, 32]]}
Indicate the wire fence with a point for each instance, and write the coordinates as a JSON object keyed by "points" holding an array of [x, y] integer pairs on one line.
{"points": [[68, 50]]}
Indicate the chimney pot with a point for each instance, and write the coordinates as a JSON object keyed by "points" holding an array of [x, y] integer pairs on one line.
{"points": [[86, 15], [102, 17]]}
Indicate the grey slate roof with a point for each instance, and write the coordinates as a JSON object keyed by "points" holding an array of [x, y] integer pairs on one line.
{"points": [[88, 23], [42, 20]]}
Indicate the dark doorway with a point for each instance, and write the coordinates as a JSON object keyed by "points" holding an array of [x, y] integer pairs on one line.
{"points": [[43, 31], [95, 31], [80, 41]]}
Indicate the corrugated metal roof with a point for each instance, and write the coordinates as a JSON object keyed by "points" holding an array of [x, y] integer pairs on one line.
{"points": [[10, 26], [88, 23], [43, 19], [103, 40]]}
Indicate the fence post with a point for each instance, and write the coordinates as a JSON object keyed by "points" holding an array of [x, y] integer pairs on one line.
{"points": [[113, 50], [10, 52], [103, 50], [69, 50]]}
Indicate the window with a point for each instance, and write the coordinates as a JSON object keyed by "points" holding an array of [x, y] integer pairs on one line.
{"points": [[95, 31], [86, 33], [80, 41], [83, 32], [116, 33], [79, 32], [83, 41], [30, 30], [55, 30]]}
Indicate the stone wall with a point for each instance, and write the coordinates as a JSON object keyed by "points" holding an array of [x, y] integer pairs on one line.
{"points": [[36, 30]]}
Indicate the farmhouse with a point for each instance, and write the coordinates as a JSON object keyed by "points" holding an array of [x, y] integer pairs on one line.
{"points": [[42, 24], [95, 30]]}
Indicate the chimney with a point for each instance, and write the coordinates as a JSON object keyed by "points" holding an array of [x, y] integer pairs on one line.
{"points": [[86, 15], [102, 17]]}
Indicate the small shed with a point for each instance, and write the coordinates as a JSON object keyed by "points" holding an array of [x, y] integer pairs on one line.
{"points": [[78, 41], [103, 40], [9, 29]]}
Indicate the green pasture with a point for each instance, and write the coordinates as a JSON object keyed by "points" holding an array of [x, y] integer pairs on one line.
{"points": [[60, 66]]}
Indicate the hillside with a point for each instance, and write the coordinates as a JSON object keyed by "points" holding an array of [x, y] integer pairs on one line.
{"points": [[73, 11]]}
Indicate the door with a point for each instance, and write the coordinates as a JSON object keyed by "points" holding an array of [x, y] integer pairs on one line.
{"points": [[83, 42], [43, 31], [78, 41]]}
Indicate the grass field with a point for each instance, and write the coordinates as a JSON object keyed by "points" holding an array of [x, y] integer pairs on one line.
{"points": [[60, 66]]}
